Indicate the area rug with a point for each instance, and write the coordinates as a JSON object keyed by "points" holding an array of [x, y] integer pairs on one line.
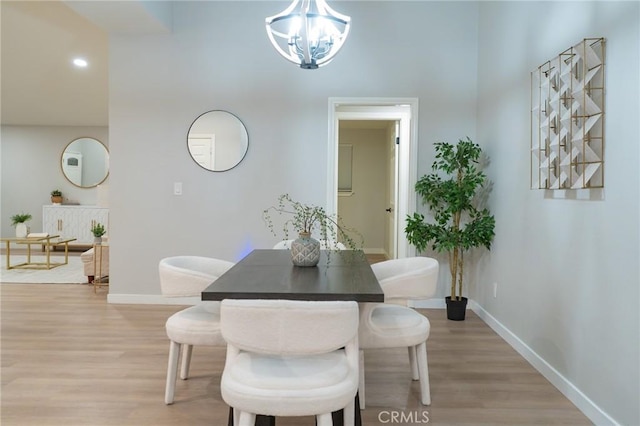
{"points": [[72, 273]]}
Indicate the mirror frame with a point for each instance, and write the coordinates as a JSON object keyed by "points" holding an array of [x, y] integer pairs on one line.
{"points": [[106, 149], [246, 148]]}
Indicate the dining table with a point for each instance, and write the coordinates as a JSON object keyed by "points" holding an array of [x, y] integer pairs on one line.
{"points": [[270, 274]]}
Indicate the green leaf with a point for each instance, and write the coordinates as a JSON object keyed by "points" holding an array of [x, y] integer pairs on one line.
{"points": [[449, 191], [309, 218]]}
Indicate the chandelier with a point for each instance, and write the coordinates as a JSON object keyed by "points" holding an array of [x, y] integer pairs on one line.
{"points": [[308, 33]]}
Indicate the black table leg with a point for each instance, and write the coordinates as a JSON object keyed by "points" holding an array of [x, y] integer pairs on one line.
{"points": [[338, 416]]}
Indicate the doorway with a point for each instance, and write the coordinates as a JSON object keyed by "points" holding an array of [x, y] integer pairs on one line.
{"points": [[367, 162], [399, 198]]}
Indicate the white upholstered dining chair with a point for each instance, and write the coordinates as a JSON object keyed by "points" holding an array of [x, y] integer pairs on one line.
{"points": [[393, 324], [410, 278], [183, 276], [290, 358], [283, 245]]}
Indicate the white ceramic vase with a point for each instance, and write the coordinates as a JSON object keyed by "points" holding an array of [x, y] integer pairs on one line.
{"points": [[305, 251], [21, 230]]}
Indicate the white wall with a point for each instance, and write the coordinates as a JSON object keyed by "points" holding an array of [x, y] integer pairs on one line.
{"points": [[31, 169], [219, 57], [566, 264]]}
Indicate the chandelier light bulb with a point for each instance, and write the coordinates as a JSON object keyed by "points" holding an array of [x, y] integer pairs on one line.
{"points": [[296, 23]]}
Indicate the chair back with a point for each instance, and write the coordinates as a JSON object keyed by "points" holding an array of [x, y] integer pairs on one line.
{"points": [[184, 276], [407, 278], [288, 327], [324, 245], [283, 245]]}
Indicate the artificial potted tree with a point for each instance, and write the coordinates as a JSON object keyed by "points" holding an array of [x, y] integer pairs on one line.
{"points": [[19, 221], [98, 231], [451, 192], [56, 196], [305, 220]]}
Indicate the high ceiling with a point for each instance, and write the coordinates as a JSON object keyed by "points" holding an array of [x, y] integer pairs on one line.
{"points": [[39, 86], [39, 39]]}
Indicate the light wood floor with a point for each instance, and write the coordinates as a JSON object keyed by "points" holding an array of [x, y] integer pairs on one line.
{"points": [[69, 358]]}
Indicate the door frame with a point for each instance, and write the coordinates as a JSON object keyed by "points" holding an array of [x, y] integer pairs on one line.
{"points": [[406, 111]]}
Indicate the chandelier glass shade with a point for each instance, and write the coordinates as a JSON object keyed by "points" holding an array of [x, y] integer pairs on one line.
{"points": [[308, 33]]}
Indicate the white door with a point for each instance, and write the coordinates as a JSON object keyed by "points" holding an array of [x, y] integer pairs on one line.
{"points": [[72, 166], [400, 110], [202, 149]]}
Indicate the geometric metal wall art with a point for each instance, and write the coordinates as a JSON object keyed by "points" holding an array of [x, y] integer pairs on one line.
{"points": [[567, 119]]}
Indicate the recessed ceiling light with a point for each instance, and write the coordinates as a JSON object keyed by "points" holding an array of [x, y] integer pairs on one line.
{"points": [[80, 63]]}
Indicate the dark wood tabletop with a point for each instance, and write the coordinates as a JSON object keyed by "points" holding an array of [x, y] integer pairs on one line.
{"points": [[270, 274]]}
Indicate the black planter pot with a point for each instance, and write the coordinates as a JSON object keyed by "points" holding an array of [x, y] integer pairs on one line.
{"points": [[456, 308]]}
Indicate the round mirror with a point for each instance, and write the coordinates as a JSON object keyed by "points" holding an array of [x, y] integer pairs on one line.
{"points": [[217, 141], [85, 162]]}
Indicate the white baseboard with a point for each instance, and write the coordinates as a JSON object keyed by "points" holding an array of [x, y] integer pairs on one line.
{"points": [[374, 251], [568, 389], [428, 304]]}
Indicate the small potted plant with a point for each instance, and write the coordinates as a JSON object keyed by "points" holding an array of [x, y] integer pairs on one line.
{"points": [[98, 231], [56, 196], [306, 220], [459, 224], [18, 220]]}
